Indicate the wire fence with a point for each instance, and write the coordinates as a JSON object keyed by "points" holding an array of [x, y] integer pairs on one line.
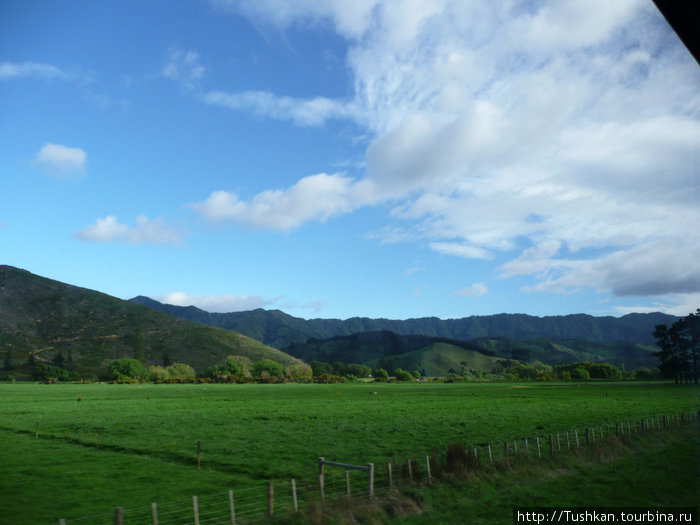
{"points": [[256, 504]]}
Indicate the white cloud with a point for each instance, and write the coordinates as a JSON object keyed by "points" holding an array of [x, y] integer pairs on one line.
{"points": [[475, 290], [184, 67], [676, 304], [110, 229], [312, 112], [570, 126], [11, 70], [61, 161], [313, 198], [214, 303], [460, 250]]}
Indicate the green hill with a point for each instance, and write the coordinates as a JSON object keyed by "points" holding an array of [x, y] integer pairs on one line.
{"points": [[437, 356], [45, 318], [440, 359]]}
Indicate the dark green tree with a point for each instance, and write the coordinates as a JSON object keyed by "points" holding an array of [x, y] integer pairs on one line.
{"points": [[7, 362], [679, 347]]}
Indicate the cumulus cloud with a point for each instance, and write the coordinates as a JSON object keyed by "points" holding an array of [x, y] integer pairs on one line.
{"points": [[475, 290], [214, 303], [61, 161], [561, 136], [313, 198], [146, 230], [13, 70]]}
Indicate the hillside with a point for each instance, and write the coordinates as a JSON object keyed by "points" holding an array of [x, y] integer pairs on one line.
{"points": [[438, 356], [278, 329], [44, 317]]}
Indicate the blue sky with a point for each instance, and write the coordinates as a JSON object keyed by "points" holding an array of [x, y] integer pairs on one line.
{"points": [[366, 158]]}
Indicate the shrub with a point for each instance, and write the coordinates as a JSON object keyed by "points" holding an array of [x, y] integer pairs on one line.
{"points": [[380, 374], [268, 371], [157, 374], [181, 372], [44, 372], [580, 374], [299, 373], [126, 369], [403, 375]]}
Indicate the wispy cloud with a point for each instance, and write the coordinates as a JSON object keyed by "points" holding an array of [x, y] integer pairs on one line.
{"points": [[475, 290], [146, 230], [14, 70], [61, 161], [214, 303], [303, 112], [184, 67]]}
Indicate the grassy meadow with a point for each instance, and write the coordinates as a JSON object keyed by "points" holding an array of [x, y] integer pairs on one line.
{"points": [[107, 445]]}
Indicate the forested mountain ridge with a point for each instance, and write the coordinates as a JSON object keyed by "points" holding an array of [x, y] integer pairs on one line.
{"points": [[41, 319], [280, 330]]}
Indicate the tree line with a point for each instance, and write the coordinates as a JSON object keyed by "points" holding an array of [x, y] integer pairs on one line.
{"points": [[679, 348]]}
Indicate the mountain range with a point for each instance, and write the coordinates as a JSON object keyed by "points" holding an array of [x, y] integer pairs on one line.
{"points": [[280, 330], [43, 319]]}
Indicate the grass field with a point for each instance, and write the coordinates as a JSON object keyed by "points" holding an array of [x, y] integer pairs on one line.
{"points": [[104, 445]]}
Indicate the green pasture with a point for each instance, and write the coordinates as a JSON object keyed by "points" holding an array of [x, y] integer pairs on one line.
{"points": [[107, 445]]}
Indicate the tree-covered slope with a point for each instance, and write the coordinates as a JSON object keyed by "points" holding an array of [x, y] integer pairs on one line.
{"points": [[280, 330], [44, 317]]}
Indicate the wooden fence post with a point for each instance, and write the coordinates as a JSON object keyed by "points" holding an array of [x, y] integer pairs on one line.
{"points": [[601, 432], [476, 459], [370, 476], [391, 481], [427, 466], [154, 513], [490, 454], [539, 452], [321, 489], [195, 508], [629, 427], [270, 499], [294, 496], [232, 508], [527, 448], [665, 422], [558, 443], [118, 515], [515, 447], [320, 466], [347, 483], [576, 436], [410, 471], [551, 445], [199, 453]]}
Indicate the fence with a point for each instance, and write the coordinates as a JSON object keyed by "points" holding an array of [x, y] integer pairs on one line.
{"points": [[342, 480]]}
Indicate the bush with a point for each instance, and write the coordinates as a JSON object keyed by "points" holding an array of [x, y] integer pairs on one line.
{"points": [[580, 374], [44, 372], [403, 375], [157, 374], [380, 374], [299, 373], [268, 371], [181, 372], [127, 369]]}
